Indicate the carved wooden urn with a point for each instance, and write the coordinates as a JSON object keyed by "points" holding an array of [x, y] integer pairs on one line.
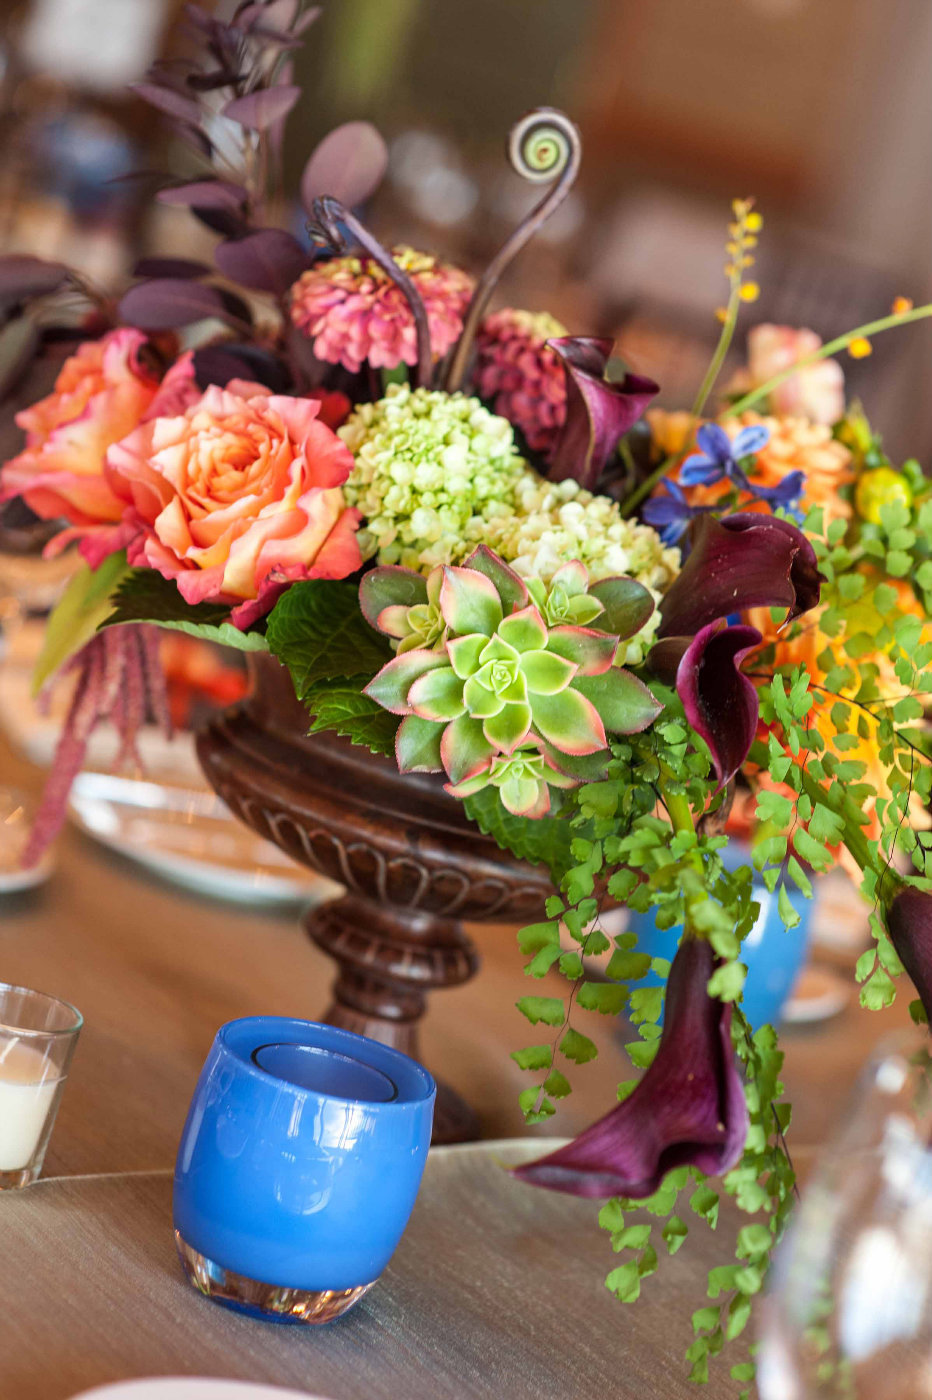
{"points": [[412, 865]]}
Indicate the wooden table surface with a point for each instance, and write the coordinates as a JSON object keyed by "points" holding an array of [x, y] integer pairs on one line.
{"points": [[155, 971]]}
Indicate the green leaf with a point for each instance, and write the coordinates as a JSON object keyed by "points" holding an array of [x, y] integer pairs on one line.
{"points": [[557, 1084], [704, 1202], [785, 905], [674, 1233], [550, 1010], [83, 606], [534, 1057], [704, 1319], [627, 967], [727, 981], [534, 1112], [606, 997], [144, 595], [318, 631], [542, 841], [340, 705], [578, 1048], [625, 1282]]}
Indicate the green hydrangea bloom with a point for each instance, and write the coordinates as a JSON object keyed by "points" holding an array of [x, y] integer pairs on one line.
{"points": [[433, 472], [438, 474]]}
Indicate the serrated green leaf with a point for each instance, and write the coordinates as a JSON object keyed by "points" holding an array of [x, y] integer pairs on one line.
{"points": [[627, 967], [674, 1233], [605, 997], [550, 1010], [317, 630], [340, 705], [143, 595], [578, 1048], [625, 1282], [533, 1057], [557, 1084], [541, 841]]}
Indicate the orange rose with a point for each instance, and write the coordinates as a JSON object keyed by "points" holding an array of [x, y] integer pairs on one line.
{"points": [[102, 392], [817, 392], [237, 497]]}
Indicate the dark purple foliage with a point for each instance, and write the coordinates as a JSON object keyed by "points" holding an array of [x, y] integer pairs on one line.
{"points": [[598, 412], [348, 164], [218, 364], [688, 1109], [23, 277], [269, 260], [260, 110], [167, 303]]}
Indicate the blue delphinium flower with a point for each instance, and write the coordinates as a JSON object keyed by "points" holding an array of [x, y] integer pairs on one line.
{"points": [[671, 514], [720, 459]]}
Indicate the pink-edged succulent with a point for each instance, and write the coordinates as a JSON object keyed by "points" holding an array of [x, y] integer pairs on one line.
{"points": [[496, 682]]}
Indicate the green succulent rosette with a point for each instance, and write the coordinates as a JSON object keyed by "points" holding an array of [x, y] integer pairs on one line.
{"points": [[499, 683]]}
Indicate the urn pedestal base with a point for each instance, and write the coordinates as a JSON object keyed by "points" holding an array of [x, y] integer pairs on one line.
{"points": [[413, 867]]}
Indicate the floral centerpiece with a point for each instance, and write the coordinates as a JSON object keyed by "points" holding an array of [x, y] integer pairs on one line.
{"points": [[478, 550]]}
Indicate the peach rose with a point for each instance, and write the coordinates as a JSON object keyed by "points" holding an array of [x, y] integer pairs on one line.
{"points": [[237, 497], [816, 392], [102, 393]]}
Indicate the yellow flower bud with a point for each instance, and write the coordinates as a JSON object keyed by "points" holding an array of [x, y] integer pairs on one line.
{"points": [[901, 304], [749, 292], [860, 348], [754, 222]]}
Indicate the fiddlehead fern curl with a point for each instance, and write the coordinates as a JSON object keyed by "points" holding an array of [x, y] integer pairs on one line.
{"points": [[544, 145], [329, 216]]}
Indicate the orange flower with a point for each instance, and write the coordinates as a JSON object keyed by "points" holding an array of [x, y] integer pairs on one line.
{"points": [[238, 496]]}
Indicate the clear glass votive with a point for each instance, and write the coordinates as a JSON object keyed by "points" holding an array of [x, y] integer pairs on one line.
{"points": [[298, 1167], [38, 1035]]}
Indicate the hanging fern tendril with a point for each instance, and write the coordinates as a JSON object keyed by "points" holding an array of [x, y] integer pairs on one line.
{"points": [[542, 146], [332, 221]]}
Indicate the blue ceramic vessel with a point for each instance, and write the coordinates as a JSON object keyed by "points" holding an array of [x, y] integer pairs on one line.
{"points": [[299, 1165], [773, 955]]}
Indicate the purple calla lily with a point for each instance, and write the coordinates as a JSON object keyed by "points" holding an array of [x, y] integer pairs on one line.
{"points": [[742, 561], [909, 923], [720, 702], [689, 1109], [598, 412]]}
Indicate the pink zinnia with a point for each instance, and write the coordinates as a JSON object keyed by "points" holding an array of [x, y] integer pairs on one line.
{"points": [[522, 378], [353, 311]]}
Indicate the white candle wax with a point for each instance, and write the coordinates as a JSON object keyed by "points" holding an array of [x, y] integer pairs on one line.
{"points": [[25, 1102]]}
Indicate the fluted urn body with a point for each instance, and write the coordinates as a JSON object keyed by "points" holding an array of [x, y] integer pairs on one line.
{"points": [[412, 865]]}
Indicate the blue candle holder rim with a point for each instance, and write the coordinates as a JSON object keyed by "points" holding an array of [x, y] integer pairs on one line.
{"points": [[243, 1037]]}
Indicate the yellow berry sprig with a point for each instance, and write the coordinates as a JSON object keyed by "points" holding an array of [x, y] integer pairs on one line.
{"points": [[746, 224]]}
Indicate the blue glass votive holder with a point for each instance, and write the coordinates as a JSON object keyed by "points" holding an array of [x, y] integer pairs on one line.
{"points": [[298, 1167]]}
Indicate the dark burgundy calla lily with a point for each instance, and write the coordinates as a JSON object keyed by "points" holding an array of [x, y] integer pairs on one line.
{"points": [[742, 561], [689, 1108], [598, 412], [909, 923], [720, 702]]}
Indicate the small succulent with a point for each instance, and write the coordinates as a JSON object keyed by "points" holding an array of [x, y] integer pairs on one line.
{"points": [[497, 682]]}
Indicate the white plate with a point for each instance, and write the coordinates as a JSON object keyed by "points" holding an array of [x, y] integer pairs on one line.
{"points": [[191, 838], [192, 1388]]}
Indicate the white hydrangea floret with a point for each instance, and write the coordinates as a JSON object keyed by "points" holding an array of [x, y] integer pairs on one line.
{"points": [[559, 520]]}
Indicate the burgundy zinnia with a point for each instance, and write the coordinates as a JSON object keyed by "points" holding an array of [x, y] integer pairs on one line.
{"points": [[353, 311], [520, 375]]}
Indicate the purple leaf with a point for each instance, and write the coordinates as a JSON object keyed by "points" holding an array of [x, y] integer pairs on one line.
{"points": [[909, 923], [205, 194], [348, 164], [307, 19], [170, 267], [169, 302], [19, 341], [172, 103], [269, 260], [209, 82], [598, 412], [742, 561], [22, 277], [218, 364], [260, 110], [720, 702], [688, 1110], [237, 308]]}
